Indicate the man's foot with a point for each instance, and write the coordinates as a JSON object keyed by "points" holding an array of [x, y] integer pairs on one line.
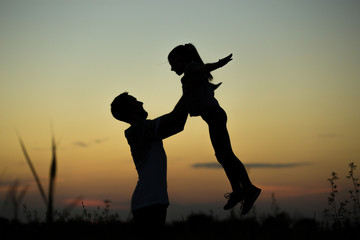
{"points": [[233, 199], [250, 197]]}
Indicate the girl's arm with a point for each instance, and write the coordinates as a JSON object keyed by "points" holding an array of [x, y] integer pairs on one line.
{"points": [[209, 67]]}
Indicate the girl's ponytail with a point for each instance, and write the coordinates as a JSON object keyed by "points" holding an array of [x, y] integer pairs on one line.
{"points": [[193, 55]]}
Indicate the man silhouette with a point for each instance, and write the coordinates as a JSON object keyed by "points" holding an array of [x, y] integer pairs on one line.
{"points": [[150, 200]]}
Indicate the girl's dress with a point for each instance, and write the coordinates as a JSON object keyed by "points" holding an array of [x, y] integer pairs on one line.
{"points": [[200, 91]]}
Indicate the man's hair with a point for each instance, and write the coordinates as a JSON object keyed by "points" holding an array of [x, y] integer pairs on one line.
{"points": [[120, 107]]}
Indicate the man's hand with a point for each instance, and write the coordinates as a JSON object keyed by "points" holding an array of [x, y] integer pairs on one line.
{"points": [[174, 122]]}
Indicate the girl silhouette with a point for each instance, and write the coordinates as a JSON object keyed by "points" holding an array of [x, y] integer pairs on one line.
{"points": [[196, 84]]}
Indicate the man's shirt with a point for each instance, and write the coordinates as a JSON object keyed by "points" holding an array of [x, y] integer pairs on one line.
{"points": [[151, 164]]}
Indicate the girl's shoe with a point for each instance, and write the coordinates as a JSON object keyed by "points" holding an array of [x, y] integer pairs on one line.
{"points": [[233, 199], [251, 195]]}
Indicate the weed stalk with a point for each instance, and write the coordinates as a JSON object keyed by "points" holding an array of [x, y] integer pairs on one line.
{"points": [[332, 197], [354, 193]]}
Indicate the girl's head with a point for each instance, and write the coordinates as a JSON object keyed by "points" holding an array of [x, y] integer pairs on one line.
{"points": [[186, 53], [182, 55]]}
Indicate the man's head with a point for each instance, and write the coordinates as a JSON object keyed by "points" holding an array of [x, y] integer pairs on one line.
{"points": [[127, 108]]}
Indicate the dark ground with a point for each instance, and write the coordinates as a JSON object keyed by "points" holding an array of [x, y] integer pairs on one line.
{"points": [[196, 226]]}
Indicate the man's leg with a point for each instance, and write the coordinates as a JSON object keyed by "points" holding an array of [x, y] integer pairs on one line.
{"points": [[149, 221]]}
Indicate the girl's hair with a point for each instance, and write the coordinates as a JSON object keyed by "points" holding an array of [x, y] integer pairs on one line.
{"points": [[187, 53]]}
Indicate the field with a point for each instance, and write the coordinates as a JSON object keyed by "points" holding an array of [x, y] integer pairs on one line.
{"points": [[341, 219], [195, 226]]}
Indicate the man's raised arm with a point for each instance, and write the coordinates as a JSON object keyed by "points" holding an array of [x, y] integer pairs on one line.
{"points": [[174, 121]]}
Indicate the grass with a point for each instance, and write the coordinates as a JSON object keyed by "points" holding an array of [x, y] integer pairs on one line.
{"points": [[344, 212], [48, 200], [102, 224], [342, 217], [15, 198]]}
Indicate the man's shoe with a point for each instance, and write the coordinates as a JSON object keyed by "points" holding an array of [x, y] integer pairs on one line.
{"points": [[233, 199], [250, 197]]}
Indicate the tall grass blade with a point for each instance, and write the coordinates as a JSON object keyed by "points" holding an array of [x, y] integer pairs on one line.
{"points": [[8, 197], [33, 171], [14, 198], [52, 183]]}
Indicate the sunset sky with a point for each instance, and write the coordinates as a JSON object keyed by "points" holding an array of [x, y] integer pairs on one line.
{"points": [[291, 93]]}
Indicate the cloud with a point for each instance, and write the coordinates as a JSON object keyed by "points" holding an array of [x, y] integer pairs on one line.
{"points": [[276, 165], [206, 165], [88, 144], [100, 140], [81, 144], [215, 165]]}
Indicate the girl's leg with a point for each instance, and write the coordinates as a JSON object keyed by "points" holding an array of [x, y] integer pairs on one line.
{"points": [[216, 119]]}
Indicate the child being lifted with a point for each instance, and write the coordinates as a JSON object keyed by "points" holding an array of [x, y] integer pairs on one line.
{"points": [[196, 84]]}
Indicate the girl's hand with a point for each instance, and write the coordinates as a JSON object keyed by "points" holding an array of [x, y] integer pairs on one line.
{"points": [[225, 60], [209, 67]]}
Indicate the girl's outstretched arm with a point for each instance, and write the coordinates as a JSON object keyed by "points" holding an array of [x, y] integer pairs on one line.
{"points": [[222, 62], [208, 67]]}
